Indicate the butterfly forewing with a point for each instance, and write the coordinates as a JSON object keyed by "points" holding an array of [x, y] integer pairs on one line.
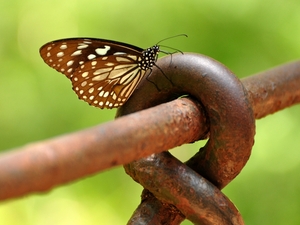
{"points": [[103, 73]]}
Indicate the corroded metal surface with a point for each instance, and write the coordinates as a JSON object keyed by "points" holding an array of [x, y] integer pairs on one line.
{"points": [[40, 166], [225, 101], [274, 89], [174, 183], [232, 127]]}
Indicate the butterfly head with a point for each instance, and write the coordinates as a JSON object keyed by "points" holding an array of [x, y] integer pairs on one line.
{"points": [[149, 57]]}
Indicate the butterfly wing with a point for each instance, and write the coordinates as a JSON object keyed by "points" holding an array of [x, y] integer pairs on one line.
{"points": [[103, 73], [107, 83]]}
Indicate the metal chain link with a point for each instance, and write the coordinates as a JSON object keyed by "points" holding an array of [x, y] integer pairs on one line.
{"points": [[224, 111]]}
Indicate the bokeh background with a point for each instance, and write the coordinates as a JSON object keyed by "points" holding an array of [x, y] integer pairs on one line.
{"points": [[37, 103]]}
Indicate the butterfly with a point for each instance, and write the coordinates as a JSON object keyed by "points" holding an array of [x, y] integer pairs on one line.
{"points": [[104, 73]]}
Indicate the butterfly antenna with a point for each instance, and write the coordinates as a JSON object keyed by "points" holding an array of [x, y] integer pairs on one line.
{"points": [[178, 35], [170, 53], [175, 49]]}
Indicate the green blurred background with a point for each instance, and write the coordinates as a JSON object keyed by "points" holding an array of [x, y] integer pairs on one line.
{"points": [[37, 103]]}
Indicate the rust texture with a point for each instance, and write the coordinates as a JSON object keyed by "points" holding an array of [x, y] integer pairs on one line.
{"points": [[231, 127], [224, 109], [153, 211], [231, 120], [174, 183], [40, 166], [274, 89]]}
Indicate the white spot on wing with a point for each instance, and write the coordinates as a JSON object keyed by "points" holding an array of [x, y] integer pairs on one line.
{"points": [[106, 94], [63, 46], [85, 74], [102, 51], [70, 63], [60, 54], [101, 93], [78, 52], [119, 53], [82, 46], [87, 41], [109, 64], [91, 56]]}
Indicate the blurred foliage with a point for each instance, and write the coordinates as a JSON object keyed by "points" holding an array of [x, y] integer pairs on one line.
{"points": [[37, 102]]}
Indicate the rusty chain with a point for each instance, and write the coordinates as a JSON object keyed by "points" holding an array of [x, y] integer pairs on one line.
{"points": [[225, 110], [231, 132]]}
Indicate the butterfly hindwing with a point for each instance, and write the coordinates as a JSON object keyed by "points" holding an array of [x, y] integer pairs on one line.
{"points": [[110, 83]]}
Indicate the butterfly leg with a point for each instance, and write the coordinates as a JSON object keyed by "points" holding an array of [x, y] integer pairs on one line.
{"points": [[164, 75], [147, 78]]}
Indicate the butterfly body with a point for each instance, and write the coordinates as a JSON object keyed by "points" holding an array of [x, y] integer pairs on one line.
{"points": [[103, 73]]}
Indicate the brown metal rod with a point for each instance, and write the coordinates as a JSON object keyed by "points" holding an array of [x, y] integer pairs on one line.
{"points": [[174, 183], [40, 166], [225, 101], [231, 136], [274, 89]]}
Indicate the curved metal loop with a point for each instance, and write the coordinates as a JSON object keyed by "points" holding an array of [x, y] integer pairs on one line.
{"points": [[174, 183], [225, 101], [232, 124]]}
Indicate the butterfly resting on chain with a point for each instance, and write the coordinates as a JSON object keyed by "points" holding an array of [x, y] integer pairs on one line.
{"points": [[103, 73]]}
